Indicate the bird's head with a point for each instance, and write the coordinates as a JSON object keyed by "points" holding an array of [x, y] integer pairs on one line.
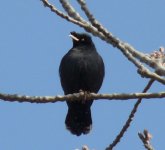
{"points": [[80, 39]]}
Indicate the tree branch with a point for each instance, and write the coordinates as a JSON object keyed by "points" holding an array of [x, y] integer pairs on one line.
{"points": [[92, 19], [103, 34], [119, 44], [61, 14], [130, 118], [124, 47], [71, 11], [145, 138], [78, 96]]}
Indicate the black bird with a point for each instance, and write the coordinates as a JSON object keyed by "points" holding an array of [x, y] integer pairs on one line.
{"points": [[82, 68]]}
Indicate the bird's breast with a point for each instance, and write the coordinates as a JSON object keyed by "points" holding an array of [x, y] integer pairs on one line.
{"points": [[81, 70]]}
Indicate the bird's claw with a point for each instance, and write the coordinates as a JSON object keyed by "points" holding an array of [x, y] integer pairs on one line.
{"points": [[86, 93]]}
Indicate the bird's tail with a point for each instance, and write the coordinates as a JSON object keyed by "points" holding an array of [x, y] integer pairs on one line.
{"points": [[78, 119]]}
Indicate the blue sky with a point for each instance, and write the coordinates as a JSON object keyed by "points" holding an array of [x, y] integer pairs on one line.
{"points": [[32, 42]]}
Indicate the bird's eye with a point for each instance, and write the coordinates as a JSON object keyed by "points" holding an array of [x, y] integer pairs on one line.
{"points": [[82, 39]]}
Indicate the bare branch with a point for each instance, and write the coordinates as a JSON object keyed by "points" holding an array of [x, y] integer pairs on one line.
{"points": [[87, 12], [108, 37], [71, 11], [91, 18], [144, 72], [87, 26], [61, 14], [122, 46], [78, 96], [145, 138], [130, 118], [145, 59]]}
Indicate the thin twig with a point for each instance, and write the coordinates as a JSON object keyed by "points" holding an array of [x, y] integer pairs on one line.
{"points": [[61, 14], [144, 58], [90, 16], [144, 72], [130, 118], [71, 11], [145, 138]]}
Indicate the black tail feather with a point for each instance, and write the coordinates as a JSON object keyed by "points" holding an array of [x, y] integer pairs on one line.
{"points": [[78, 119]]}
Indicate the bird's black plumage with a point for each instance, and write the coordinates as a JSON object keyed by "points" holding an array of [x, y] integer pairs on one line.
{"points": [[82, 68]]}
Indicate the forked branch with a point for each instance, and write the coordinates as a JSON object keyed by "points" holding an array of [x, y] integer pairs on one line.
{"points": [[98, 30]]}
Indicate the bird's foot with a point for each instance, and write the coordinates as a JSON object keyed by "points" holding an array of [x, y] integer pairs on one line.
{"points": [[85, 98]]}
